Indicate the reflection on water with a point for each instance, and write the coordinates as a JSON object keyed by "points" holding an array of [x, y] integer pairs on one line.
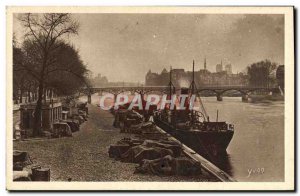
{"points": [[258, 141]]}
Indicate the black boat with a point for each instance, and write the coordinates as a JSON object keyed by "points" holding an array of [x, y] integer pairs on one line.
{"points": [[194, 128]]}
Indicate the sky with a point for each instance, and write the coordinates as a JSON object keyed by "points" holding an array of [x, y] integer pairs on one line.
{"points": [[123, 47]]}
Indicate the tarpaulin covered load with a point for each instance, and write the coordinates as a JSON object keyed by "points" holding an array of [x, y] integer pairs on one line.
{"points": [[169, 165], [134, 150], [61, 129], [122, 146], [21, 176], [150, 149], [137, 153], [139, 127], [148, 127], [130, 141], [126, 119], [20, 160], [172, 145], [116, 150], [131, 125]]}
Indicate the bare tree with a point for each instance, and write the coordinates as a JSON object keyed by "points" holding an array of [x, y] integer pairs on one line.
{"points": [[44, 33], [19, 75], [69, 73]]}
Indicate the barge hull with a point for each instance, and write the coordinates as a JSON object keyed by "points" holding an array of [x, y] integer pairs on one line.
{"points": [[208, 144]]}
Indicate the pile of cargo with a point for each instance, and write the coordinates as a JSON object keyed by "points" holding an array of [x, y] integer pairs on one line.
{"points": [[159, 157], [59, 119], [151, 149], [73, 115], [24, 170]]}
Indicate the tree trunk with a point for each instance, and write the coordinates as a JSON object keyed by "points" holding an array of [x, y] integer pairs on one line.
{"points": [[44, 94], [51, 94], [38, 111], [34, 94], [16, 98], [29, 94], [21, 95]]}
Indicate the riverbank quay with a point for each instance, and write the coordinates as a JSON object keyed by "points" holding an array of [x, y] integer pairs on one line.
{"points": [[84, 157], [205, 164]]}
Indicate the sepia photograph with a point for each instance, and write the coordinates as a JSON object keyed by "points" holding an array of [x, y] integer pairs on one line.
{"points": [[150, 98]]}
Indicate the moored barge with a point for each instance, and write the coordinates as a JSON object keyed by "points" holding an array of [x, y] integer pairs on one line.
{"points": [[194, 128]]}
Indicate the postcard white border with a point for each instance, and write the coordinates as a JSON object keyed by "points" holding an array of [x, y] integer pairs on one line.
{"points": [[288, 184]]}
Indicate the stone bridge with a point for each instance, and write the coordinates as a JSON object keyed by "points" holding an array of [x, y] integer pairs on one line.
{"points": [[217, 90]]}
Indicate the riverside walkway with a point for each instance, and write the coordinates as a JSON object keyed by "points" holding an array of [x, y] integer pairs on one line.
{"points": [[84, 157]]}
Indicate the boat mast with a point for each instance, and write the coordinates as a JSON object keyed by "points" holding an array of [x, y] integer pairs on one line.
{"points": [[171, 91], [193, 90], [193, 79], [170, 82]]}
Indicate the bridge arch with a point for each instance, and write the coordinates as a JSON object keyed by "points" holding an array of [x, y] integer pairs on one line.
{"points": [[243, 92], [207, 90]]}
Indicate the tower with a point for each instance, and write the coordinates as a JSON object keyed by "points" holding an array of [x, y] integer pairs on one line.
{"points": [[219, 67], [205, 63], [228, 68]]}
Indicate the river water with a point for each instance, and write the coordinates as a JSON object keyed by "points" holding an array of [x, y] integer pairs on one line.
{"points": [[256, 152], [257, 146]]}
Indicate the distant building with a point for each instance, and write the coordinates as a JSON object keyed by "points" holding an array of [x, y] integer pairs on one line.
{"points": [[178, 74], [228, 68], [203, 77], [219, 67], [155, 79], [164, 71], [100, 81]]}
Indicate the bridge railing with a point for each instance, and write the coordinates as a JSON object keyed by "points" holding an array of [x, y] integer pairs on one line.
{"points": [[198, 87]]}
